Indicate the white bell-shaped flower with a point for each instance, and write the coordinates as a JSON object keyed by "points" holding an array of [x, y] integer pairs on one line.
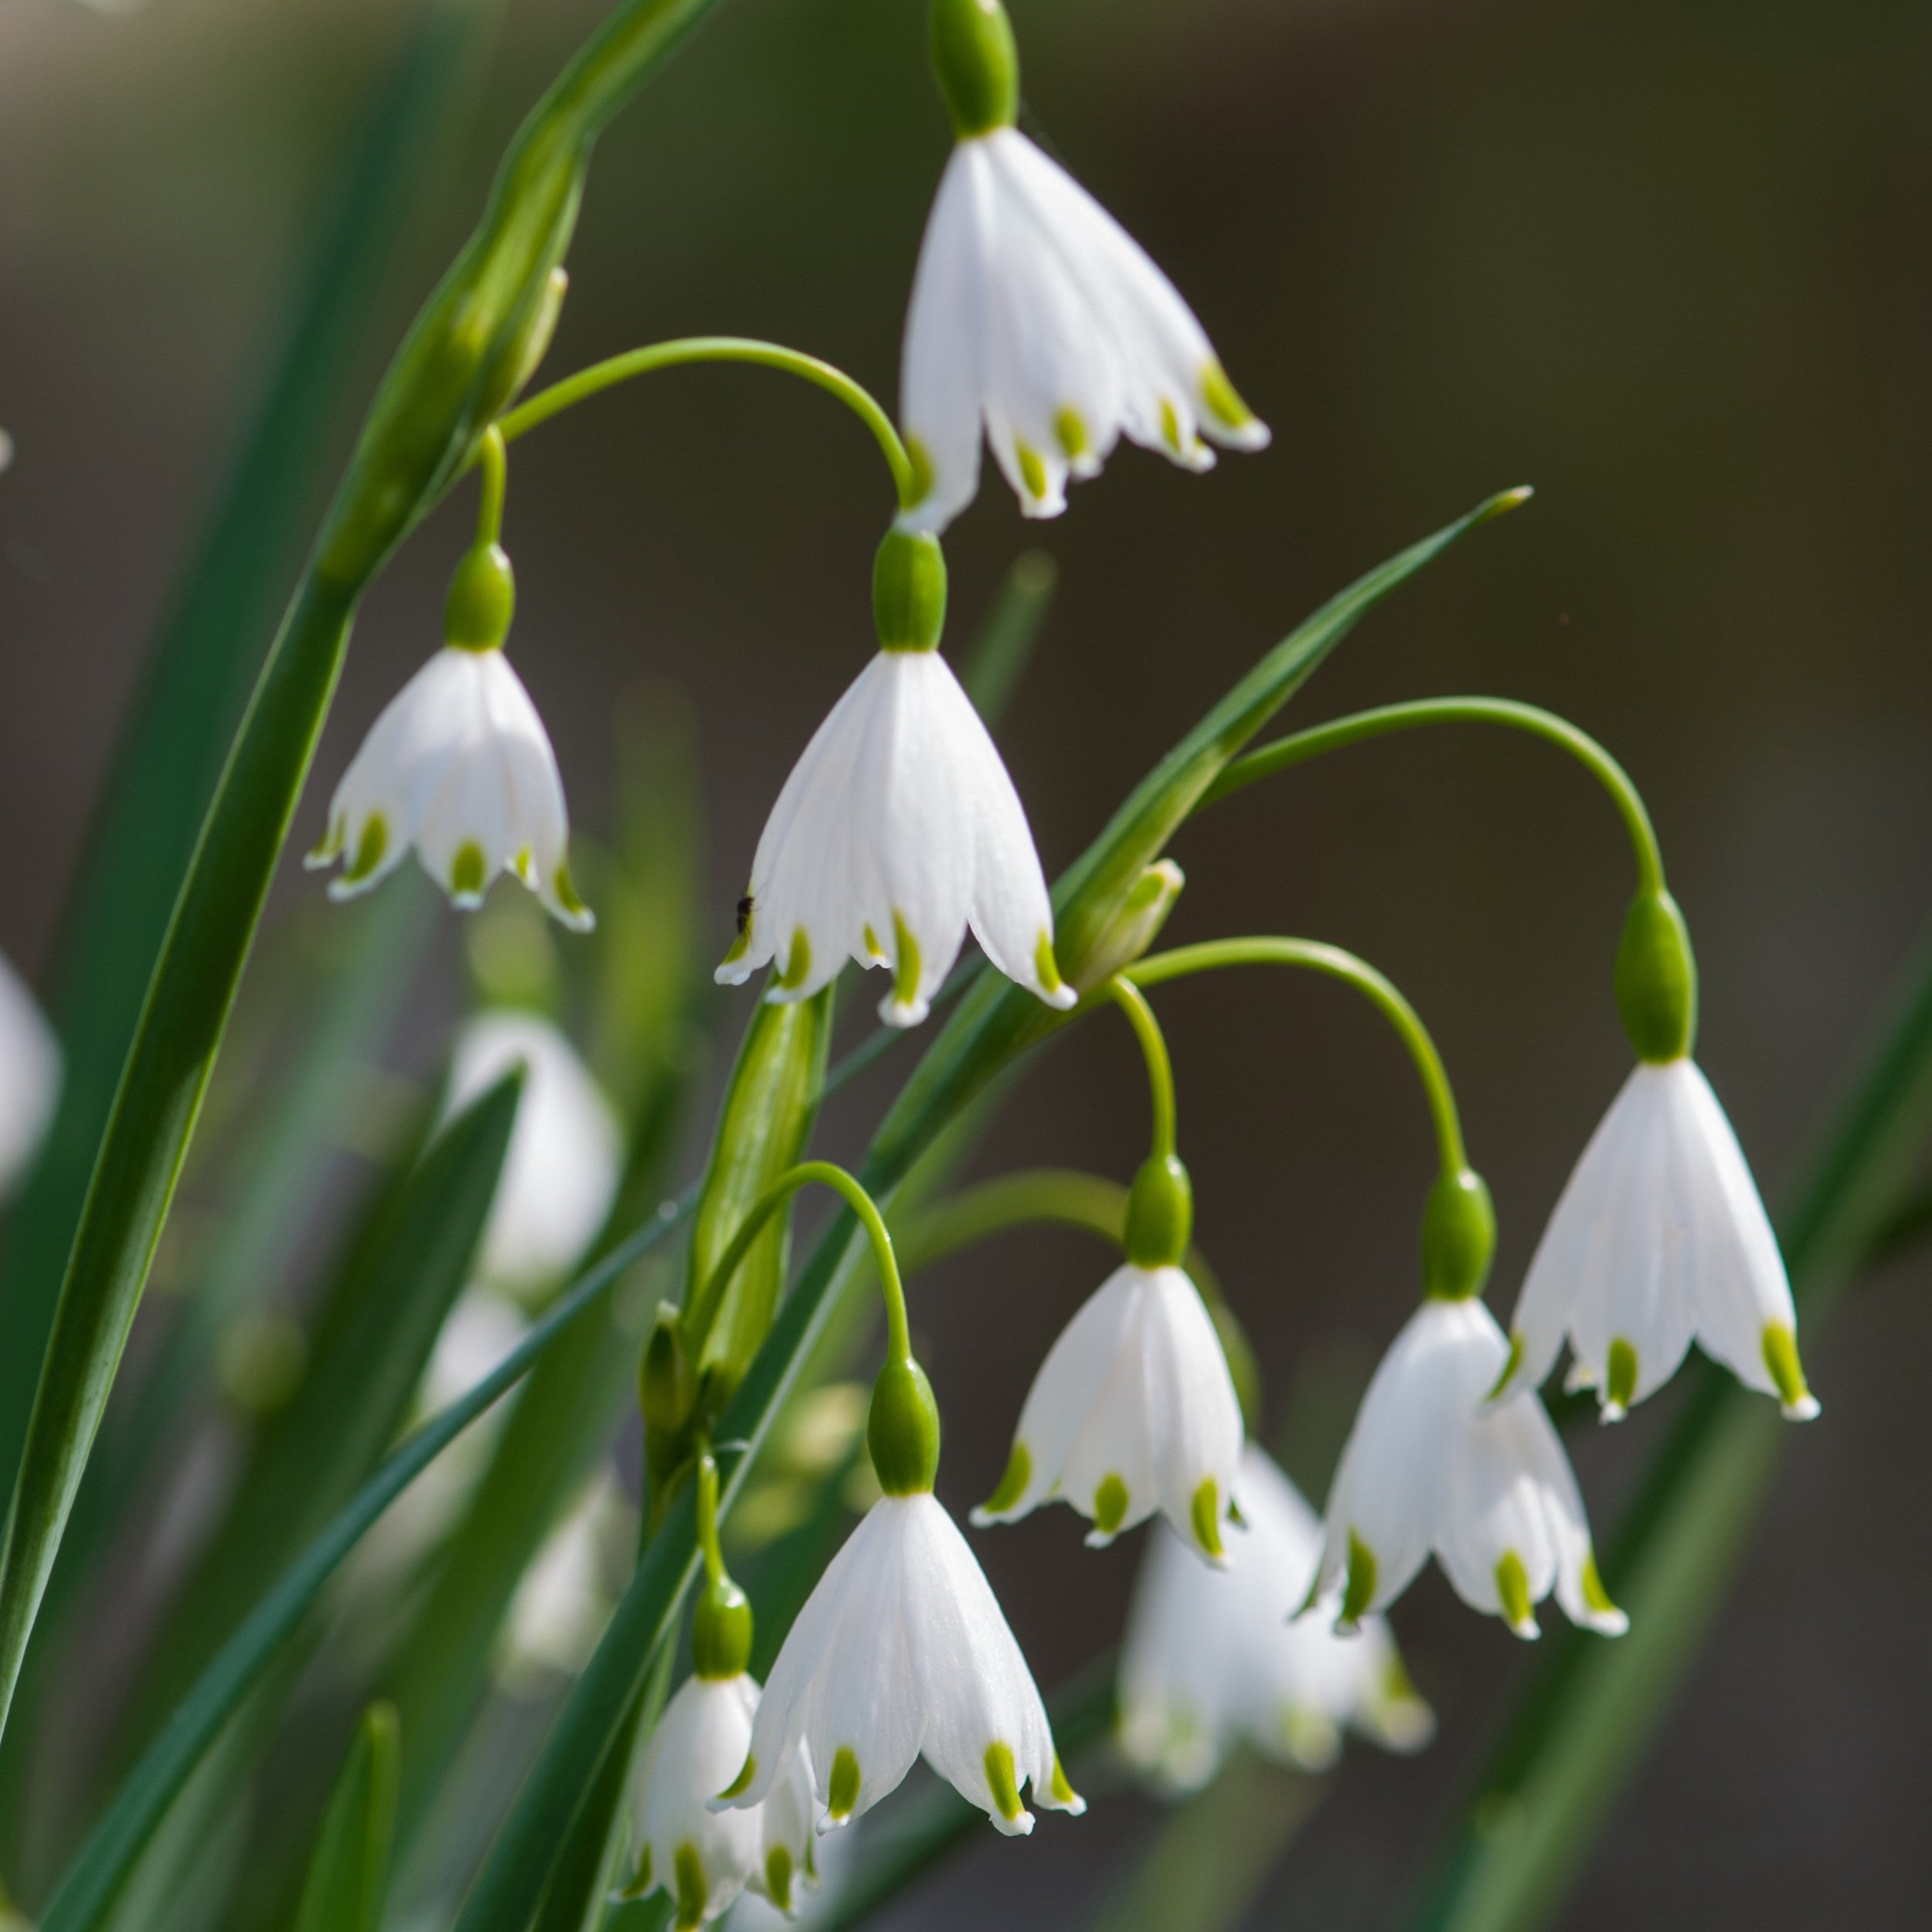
{"points": [[901, 1650], [1133, 1410], [566, 1155], [1429, 1464], [1210, 1657], [30, 1070], [1035, 314], [1659, 1238], [897, 830], [702, 1855], [459, 767]]}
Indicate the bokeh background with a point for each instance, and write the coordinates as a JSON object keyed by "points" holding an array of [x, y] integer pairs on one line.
{"points": [[1671, 264]]}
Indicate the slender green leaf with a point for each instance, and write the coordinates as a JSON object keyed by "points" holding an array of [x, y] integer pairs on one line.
{"points": [[1579, 1727], [471, 347], [994, 1023], [204, 656], [377, 1326], [87, 1892], [1007, 634], [348, 1877]]}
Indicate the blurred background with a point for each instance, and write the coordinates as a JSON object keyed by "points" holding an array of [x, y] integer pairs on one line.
{"points": [[1672, 265]]}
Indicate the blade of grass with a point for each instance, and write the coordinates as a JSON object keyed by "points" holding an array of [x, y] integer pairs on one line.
{"points": [[87, 1891], [349, 1877], [1580, 1725], [994, 1023], [204, 656]]}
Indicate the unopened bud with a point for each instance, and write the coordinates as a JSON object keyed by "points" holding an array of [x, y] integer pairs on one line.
{"points": [[1136, 924]]}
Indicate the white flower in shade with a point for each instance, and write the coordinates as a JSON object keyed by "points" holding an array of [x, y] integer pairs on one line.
{"points": [[704, 1855], [1659, 1238], [564, 1599], [459, 767], [566, 1155], [1133, 1410], [901, 1650], [1430, 1465], [30, 1075], [898, 828], [1036, 313], [1210, 1657]]}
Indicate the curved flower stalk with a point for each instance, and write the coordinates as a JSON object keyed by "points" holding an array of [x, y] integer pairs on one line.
{"points": [[1134, 1409], [1660, 1236], [1430, 1466], [1209, 1658], [566, 1156], [901, 1650], [703, 1856], [30, 1070], [899, 828], [459, 765], [1035, 316]]}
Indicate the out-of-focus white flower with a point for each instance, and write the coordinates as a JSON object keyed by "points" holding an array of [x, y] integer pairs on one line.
{"points": [[30, 1076], [1035, 314], [898, 828], [566, 1156], [1210, 1657], [1660, 1236], [1132, 1411], [702, 1855], [459, 767], [1429, 1464], [901, 1650], [565, 1598]]}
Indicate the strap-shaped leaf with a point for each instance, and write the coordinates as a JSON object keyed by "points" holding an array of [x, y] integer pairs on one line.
{"points": [[347, 1875], [995, 1021], [1579, 1726]]}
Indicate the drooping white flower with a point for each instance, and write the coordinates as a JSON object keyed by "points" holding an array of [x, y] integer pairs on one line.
{"points": [[898, 828], [459, 767], [902, 1651], [1430, 1465], [1036, 313], [704, 1855], [566, 1155], [1210, 1658], [1659, 1237], [1132, 1411], [30, 1070]]}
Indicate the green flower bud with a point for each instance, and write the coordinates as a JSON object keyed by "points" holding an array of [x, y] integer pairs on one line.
{"points": [[909, 591], [903, 1429], [721, 1631], [482, 599], [976, 64], [1135, 925], [1657, 979], [1160, 1213], [664, 1387], [1458, 1236]]}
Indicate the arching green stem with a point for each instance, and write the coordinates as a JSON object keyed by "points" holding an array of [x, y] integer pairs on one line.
{"points": [[493, 460], [899, 1347], [1363, 725], [1160, 1069], [600, 376], [1317, 956]]}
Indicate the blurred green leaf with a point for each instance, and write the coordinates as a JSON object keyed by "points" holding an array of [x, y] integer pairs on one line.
{"points": [[204, 656], [994, 1023], [377, 1326], [349, 1875], [1007, 634], [93, 1880], [1580, 1726]]}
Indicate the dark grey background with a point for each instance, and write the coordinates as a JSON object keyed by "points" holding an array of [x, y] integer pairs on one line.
{"points": [[1670, 264]]}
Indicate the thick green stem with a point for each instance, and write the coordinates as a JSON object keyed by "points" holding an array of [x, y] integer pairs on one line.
{"points": [[472, 347], [1363, 725], [899, 1347], [1316, 957], [1160, 1070], [602, 375]]}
